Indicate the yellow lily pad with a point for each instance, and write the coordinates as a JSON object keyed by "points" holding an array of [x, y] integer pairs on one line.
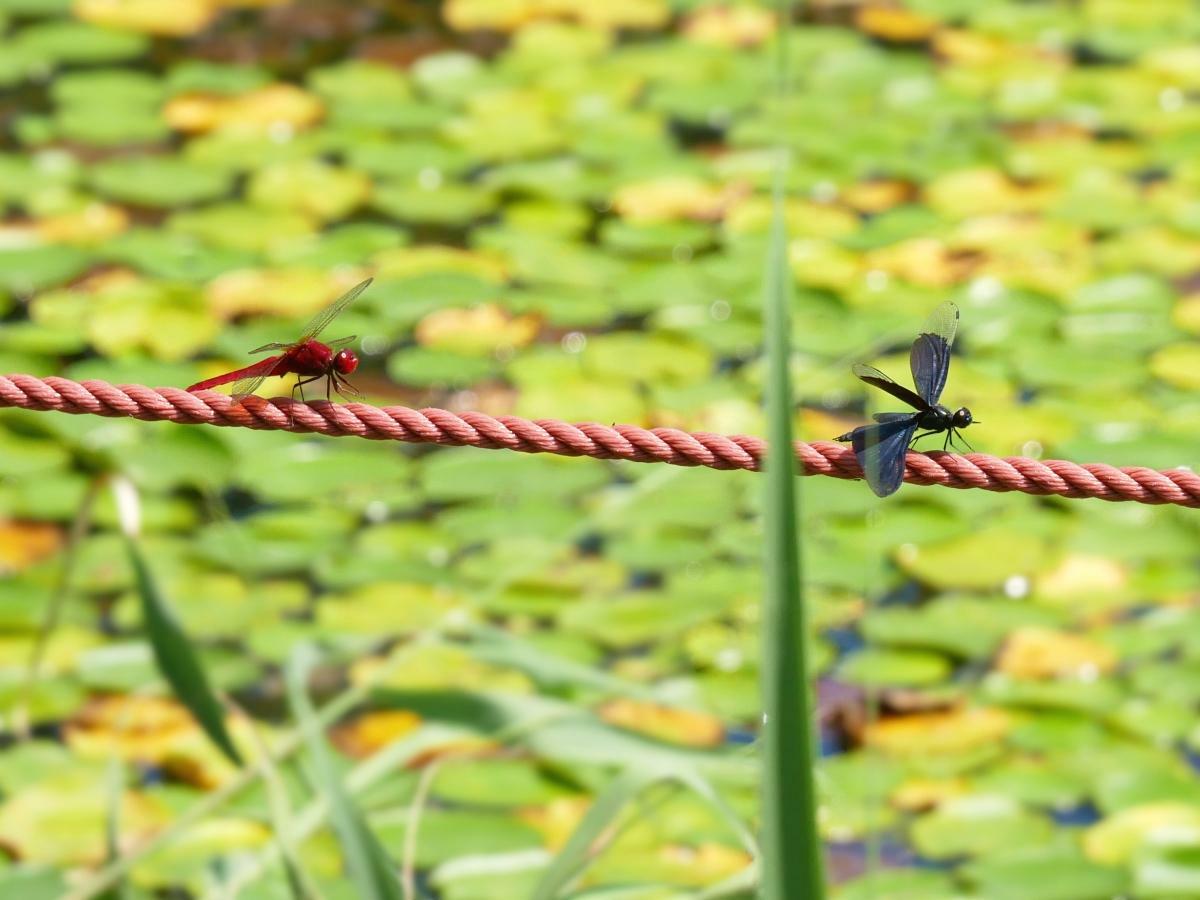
{"points": [[730, 26], [408, 262], [274, 109], [1081, 577], [372, 731], [481, 329], [679, 726], [975, 192], [180, 18], [933, 733], [670, 198], [24, 543], [1178, 365], [895, 24], [1121, 836], [284, 292], [1039, 653], [61, 818], [93, 224]]}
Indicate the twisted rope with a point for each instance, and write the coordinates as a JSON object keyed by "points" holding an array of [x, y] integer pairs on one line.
{"points": [[665, 445]]}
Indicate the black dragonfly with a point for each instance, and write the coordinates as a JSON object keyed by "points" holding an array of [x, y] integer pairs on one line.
{"points": [[881, 447]]}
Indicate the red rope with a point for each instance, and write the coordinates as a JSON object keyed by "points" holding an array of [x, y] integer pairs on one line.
{"points": [[667, 445]]}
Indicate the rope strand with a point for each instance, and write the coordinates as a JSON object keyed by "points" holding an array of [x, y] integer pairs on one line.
{"points": [[665, 445]]}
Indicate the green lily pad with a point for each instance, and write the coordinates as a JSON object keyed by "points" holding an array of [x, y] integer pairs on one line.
{"points": [[436, 203], [899, 884], [200, 76], [309, 186], [65, 42], [979, 825], [639, 617], [980, 560], [233, 226], [160, 181], [1163, 872], [24, 271], [425, 367], [963, 626], [880, 668], [497, 782], [177, 257], [1045, 874]]}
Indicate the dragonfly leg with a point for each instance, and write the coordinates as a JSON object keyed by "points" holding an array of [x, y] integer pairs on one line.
{"points": [[958, 434], [299, 386], [344, 387], [919, 436]]}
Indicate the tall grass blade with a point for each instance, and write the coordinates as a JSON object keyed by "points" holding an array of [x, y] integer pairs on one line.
{"points": [[367, 863], [176, 657], [791, 847], [114, 795], [597, 826]]}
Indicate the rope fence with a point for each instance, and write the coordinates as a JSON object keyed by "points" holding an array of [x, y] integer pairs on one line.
{"points": [[1056, 477]]}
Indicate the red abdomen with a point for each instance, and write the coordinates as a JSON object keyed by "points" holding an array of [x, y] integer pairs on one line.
{"points": [[266, 367]]}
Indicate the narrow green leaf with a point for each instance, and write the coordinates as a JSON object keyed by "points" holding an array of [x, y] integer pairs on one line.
{"points": [[176, 657], [115, 785], [580, 848], [368, 865], [791, 846]]}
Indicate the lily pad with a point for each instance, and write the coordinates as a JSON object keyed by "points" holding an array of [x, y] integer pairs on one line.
{"points": [[159, 181], [979, 825]]}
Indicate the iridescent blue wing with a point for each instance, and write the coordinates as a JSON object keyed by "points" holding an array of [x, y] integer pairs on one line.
{"points": [[881, 449], [930, 356], [873, 376]]}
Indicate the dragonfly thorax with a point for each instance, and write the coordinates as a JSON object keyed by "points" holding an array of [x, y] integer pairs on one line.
{"points": [[939, 418], [936, 418]]}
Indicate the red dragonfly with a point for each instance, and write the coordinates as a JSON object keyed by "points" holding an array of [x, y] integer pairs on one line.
{"points": [[307, 357]]}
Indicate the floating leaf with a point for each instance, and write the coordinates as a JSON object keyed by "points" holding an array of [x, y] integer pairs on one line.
{"points": [[275, 108], [1044, 653], [978, 825], [148, 17], [309, 186], [158, 181]]}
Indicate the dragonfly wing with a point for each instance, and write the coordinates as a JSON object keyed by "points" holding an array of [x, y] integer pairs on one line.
{"points": [[266, 348], [930, 356], [342, 342], [331, 312], [244, 387], [247, 386], [881, 450], [873, 376]]}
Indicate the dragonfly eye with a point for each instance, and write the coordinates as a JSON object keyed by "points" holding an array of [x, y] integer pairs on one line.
{"points": [[345, 362], [962, 417]]}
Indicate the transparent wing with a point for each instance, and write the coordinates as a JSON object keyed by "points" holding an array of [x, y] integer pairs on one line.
{"points": [[331, 312], [342, 342], [246, 386], [874, 377], [266, 348], [930, 356], [881, 449]]}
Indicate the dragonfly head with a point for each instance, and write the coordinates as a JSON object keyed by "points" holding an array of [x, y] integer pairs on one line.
{"points": [[960, 419], [345, 362]]}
